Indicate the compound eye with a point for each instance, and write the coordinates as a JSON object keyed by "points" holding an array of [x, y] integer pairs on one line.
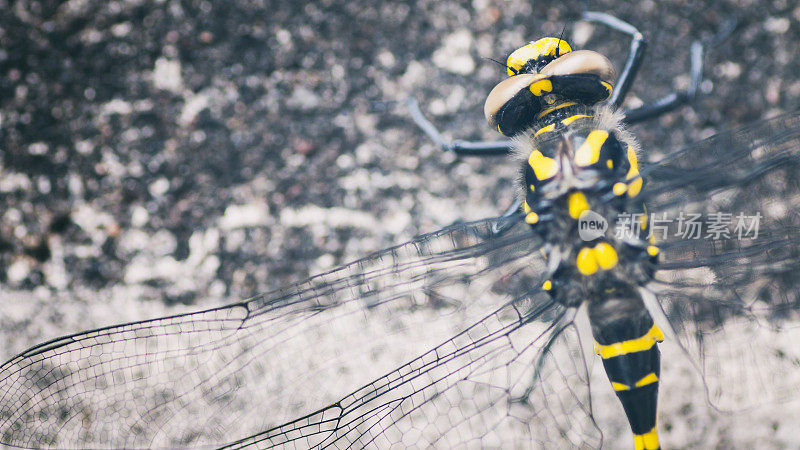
{"points": [[535, 55]]}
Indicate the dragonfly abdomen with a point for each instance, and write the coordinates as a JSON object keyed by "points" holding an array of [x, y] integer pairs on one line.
{"points": [[626, 339]]}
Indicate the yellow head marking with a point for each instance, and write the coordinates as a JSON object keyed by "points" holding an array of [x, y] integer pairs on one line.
{"points": [[547, 285], [586, 261], [540, 87], [532, 51], [589, 152], [577, 204], [543, 167], [606, 255], [652, 250]]}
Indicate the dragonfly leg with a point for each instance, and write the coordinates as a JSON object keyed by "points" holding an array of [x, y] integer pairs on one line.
{"points": [[635, 54], [470, 148], [675, 99], [512, 215], [466, 148]]}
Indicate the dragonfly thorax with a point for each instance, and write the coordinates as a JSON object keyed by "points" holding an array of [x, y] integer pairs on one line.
{"points": [[580, 174], [579, 150]]}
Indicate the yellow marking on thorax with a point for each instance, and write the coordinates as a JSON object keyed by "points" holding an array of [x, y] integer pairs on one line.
{"points": [[586, 261], [643, 343], [602, 256], [647, 441], [589, 152], [532, 218], [606, 255], [565, 122], [652, 249], [553, 108], [634, 170], [577, 204], [571, 119], [547, 285], [546, 129], [635, 186], [543, 167]]}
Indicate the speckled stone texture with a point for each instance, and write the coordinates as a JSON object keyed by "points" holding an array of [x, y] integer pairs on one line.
{"points": [[164, 156]]}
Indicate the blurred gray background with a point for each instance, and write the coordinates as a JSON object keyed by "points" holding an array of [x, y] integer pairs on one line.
{"points": [[165, 156]]}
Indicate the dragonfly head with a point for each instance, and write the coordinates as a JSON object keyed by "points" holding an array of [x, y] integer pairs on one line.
{"points": [[535, 55], [544, 76]]}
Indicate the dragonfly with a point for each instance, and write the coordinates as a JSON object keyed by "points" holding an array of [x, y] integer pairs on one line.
{"points": [[500, 305]]}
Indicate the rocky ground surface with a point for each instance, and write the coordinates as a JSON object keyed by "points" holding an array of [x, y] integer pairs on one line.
{"points": [[164, 156]]}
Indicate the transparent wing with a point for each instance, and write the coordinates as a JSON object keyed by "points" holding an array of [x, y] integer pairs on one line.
{"points": [[224, 374], [734, 299], [479, 389]]}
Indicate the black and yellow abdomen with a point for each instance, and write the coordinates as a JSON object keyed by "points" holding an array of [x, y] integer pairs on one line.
{"points": [[626, 340]]}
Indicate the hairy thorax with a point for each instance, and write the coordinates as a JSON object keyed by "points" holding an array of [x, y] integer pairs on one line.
{"points": [[581, 181]]}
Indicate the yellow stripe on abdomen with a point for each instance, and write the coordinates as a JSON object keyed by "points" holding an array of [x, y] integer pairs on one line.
{"points": [[643, 343]]}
